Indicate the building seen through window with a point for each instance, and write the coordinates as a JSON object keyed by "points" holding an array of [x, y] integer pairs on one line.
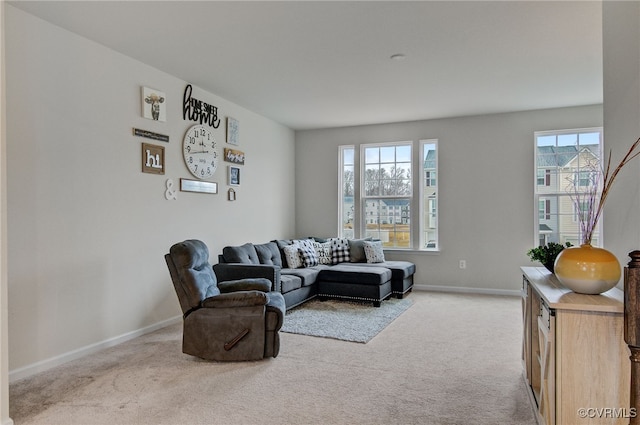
{"points": [[566, 162], [380, 198]]}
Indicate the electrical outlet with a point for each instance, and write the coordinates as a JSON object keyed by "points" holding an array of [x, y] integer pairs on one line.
{"points": [[463, 264]]}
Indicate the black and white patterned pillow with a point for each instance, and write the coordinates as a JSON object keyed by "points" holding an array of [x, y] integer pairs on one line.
{"points": [[308, 255], [323, 251], [305, 242], [292, 254], [339, 251], [373, 251]]}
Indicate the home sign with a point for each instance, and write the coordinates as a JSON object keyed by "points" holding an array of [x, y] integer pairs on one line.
{"points": [[198, 111]]}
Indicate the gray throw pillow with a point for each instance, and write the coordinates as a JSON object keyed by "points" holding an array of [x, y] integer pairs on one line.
{"points": [[245, 254], [268, 253], [356, 250]]}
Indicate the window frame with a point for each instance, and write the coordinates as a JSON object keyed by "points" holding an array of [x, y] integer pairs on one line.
{"points": [[419, 216], [425, 213], [341, 197], [554, 187], [391, 213]]}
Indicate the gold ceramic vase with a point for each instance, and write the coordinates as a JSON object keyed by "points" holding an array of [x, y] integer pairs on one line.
{"points": [[586, 269]]}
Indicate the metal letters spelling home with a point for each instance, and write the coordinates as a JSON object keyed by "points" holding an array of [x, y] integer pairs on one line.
{"points": [[197, 110]]}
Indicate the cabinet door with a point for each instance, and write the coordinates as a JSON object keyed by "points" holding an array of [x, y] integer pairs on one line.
{"points": [[526, 330], [592, 368], [546, 345], [535, 379]]}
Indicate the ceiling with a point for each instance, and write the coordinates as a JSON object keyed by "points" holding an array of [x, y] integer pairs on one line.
{"points": [[318, 64]]}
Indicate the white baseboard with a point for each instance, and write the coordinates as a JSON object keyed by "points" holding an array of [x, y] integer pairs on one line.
{"points": [[464, 290], [29, 370], [41, 366]]}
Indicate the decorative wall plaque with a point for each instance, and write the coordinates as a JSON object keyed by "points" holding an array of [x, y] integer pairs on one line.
{"points": [[233, 131], [235, 156], [187, 185], [153, 104], [152, 159], [150, 135], [198, 111]]}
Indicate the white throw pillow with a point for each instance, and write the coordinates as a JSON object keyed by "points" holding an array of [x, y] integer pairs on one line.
{"points": [[292, 255], [374, 252], [323, 251]]}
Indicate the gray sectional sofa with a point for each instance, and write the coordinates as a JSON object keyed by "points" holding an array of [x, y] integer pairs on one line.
{"points": [[302, 269]]}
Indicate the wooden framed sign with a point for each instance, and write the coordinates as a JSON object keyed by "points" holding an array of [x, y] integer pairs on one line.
{"points": [[234, 156], [152, 159]]}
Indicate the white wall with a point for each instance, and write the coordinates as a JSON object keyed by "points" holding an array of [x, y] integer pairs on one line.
{"points": [[87, 229], [621, 43], [485, 182], [4, 306]]}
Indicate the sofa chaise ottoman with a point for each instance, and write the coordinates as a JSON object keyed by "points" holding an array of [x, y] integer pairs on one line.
{"points": [[300, 280], [352, 282]]}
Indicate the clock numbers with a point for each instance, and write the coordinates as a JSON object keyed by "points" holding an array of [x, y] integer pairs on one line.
{"points": [[200, 151]]}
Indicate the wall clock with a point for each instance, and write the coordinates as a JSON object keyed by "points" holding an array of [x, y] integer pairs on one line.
{"points": [[200, 151]]}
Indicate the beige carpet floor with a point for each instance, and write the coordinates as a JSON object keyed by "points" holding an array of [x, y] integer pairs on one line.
{"points": [[450, 359]]}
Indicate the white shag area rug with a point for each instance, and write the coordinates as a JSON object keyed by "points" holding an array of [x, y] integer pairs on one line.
{"points": [[344, 320]]}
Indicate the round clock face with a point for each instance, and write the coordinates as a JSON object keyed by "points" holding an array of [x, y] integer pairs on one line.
{"points": [[200, 151]]}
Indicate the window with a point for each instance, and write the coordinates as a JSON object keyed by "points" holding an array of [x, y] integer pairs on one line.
{"points": [[565, 162], [387, 193], [544, 177], [429, 228], [544, 209], [347, 186], [583, 178], [581, 210], [379, 194], [429, 178]]}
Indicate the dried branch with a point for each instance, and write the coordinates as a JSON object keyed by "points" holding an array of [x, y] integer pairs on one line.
{"points": [[594, 201]]}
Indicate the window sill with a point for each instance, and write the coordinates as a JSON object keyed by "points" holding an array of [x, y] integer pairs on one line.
{"points": [[412, 251]]}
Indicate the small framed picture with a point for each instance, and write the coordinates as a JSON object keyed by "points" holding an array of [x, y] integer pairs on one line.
{"points": [[233, 131], [232, 194], [234, 176], [153, 104]]}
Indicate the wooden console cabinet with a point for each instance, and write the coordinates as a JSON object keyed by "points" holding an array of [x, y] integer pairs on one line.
{"points": [[574, 355]]}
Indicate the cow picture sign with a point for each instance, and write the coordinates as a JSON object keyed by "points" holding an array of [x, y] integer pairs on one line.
{"points": [[153, 104]]}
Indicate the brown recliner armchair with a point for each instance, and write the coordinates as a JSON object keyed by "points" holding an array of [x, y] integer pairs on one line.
{"points": [[224, 321]]}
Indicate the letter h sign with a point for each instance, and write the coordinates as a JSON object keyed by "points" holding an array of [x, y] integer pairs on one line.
{"points": [[152, 159]]}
